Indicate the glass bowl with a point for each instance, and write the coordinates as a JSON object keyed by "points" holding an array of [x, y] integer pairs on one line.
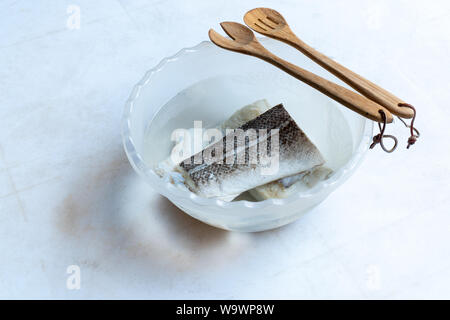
{"points": [[208, 83]]}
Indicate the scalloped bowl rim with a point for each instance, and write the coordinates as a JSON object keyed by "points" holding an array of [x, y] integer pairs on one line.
{"points": [[170, 191]]}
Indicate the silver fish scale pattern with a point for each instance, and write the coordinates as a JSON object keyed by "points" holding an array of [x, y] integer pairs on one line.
{"points": [[292, 140]]}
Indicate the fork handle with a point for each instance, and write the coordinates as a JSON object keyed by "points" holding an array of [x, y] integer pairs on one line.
{"points": [[344, 96], [357, 82]]}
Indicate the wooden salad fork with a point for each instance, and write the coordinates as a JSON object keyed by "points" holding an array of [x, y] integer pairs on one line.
{"points": [[244, 41], [271, 23]]}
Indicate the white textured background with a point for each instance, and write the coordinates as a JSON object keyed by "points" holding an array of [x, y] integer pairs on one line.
{"points": [[68, 195]]}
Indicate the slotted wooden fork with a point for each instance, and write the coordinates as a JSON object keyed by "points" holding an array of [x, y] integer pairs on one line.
{"points": [[271, 23], [244, 41]]}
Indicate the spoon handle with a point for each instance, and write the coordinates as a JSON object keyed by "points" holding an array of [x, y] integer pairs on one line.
{"points": [[344, 96], [357, 82]]}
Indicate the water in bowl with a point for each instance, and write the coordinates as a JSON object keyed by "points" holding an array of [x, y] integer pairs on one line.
{"points": [[214, 100]]}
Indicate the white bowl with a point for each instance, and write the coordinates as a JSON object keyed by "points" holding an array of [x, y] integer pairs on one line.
{"points": [[224, 81]]}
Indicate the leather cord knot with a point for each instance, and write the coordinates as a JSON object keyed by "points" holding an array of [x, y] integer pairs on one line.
{"points": [[411, 141], [415, 134], [378, 139]]}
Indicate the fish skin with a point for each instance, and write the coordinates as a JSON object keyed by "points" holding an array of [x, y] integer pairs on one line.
{"points": [[214, 179]]}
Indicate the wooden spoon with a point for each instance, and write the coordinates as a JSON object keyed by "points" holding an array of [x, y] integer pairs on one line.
{"points": [[244, 41], [272, 24]]}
